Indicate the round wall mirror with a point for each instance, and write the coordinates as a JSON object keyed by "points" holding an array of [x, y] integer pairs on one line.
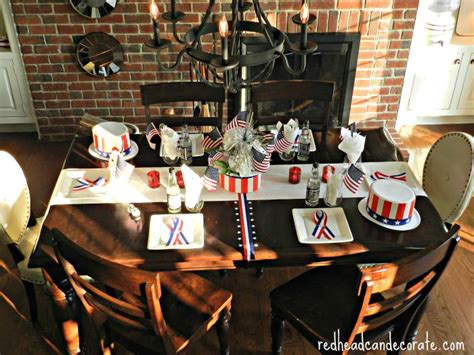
{"points": [[100, 54], [94, 8]]}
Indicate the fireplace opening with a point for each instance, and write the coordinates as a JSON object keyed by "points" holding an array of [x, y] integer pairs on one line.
{"points": [[336, 60]]}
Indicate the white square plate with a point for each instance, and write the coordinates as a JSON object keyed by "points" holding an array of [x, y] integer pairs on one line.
{"points": [[196, 140], [337, 222], [159, 233]]}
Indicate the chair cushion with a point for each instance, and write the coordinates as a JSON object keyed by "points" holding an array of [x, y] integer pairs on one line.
{"points": [[320, 302]]}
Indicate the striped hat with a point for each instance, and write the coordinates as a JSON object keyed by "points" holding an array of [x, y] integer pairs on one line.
{"points": [[391, 202], [110, 136]]}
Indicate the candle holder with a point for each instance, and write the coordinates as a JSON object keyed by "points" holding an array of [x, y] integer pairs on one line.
{"points": [[299, 47], [168, 16], [218, 63], [294, 175]]}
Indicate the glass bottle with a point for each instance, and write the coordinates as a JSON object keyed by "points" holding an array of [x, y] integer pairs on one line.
{"points": [[313, 186], [185, 146], [305, 143], [173, 196]]}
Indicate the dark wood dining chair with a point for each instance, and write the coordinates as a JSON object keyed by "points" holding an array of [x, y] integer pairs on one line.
{"points": [[279, 100], [161, 93], [146, 312], [360, 300]]}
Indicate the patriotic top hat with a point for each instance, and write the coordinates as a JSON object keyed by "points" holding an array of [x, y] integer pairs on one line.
{"points": [[391, 203], [110, 136]]}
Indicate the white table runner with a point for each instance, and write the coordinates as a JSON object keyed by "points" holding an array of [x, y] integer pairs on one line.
{"points": [[274, 186]]}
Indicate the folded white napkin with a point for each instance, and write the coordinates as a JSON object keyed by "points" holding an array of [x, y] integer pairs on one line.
{"points": [[352, 144], [193, 184], [290, 130], [170, 139]]}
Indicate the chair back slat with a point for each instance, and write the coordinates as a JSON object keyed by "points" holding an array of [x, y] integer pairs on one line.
{"points": [[160, 93], [107, 300], [419, 272], [299, 94]]}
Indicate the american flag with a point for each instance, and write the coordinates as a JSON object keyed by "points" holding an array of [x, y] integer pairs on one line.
{"points": [[261, 161], [353, 178], [238, 121], [281, 144], [209, 180], [214, 156], [212, 140], [150, 133]]}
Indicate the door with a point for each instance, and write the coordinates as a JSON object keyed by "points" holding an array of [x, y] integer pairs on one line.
{"points": [[435, 82], [11, 104], [466, 102]]}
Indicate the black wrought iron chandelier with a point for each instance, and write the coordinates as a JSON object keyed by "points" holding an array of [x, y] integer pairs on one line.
{"points": [[244, 44]]}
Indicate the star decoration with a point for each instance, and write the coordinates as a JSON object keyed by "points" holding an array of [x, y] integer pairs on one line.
{"points": [[397, 222], [385, 220]]}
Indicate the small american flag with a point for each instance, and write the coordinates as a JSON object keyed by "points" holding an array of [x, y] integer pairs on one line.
{"points": [[353, 178], [214, 156], [209, 180], [238, 121], [261, 161], [212, 140], [281, 144], [150, 133]]}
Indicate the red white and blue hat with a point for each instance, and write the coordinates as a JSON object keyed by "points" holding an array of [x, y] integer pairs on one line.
{"points": [[391, 204], [110, 136]]}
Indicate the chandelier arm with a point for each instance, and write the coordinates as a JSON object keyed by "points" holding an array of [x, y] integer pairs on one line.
{"points": [[203, 22], [203, 79], [179, 58], [287, 66], [258, 10], [175, 34], [266, 72], [264, 16], [235, 33]]}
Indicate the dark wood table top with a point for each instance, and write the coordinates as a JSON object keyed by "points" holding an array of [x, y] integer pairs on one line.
{"points": [[107, 230]]}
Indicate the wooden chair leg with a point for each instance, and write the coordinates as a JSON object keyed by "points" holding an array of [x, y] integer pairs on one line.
{"points": [[30, 293], [223, 332], [413, 328], [278, 328]]}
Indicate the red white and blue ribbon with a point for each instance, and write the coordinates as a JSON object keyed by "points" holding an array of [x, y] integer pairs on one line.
{"points": [[84, 184], [177, 236], [320, 218], [378, 175], [246, 228]]}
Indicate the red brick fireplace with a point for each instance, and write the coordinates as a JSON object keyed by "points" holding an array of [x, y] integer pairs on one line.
{"points": [[63, 92]]}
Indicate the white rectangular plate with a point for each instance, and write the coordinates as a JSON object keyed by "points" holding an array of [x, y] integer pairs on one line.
{"points": [[337, 222], [159, 233], [196, 140]]}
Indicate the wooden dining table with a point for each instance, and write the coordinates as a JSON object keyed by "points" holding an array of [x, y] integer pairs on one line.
{"points": [[107, 231]]}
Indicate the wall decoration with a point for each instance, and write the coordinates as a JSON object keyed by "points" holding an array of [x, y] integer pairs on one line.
{"points": [[94, 8], [100, 54]]}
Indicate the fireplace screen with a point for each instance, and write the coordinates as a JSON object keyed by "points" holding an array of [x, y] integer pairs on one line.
{"points": [[336, 61]]}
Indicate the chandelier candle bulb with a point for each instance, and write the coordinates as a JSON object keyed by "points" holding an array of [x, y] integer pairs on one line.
{"points": [[155, 13], [304, 17], [223, 29]]}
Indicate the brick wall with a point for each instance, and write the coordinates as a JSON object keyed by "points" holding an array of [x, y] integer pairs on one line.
{"points": [[62, 92]]}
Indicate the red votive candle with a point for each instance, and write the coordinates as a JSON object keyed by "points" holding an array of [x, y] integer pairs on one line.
{"points": [[153, 179], [179, 179], [294, 175]]}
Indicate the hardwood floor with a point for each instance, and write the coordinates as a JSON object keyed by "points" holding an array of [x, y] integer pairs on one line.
{"points": [[449, 315]]}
